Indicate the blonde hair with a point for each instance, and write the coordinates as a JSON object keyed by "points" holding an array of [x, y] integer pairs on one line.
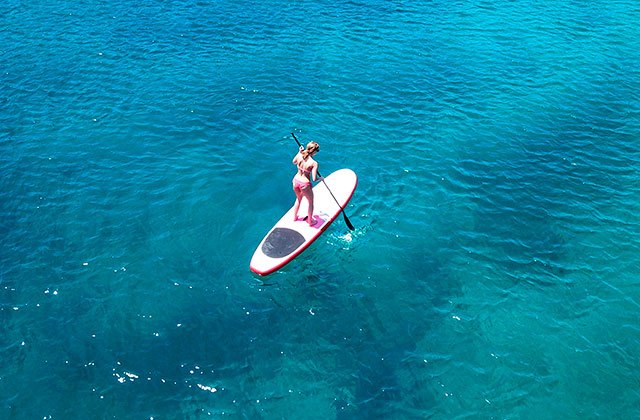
{"points": [[312, 147]]}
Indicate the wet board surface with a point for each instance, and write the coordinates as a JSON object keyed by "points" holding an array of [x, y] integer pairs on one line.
{"points": [[288, 238]]}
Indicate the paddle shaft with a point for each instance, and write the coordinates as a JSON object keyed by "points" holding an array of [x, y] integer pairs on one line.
{"points": [[346, 219]]}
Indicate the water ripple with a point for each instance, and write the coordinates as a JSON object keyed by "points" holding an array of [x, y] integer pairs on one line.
{"points": [[146, 147]]}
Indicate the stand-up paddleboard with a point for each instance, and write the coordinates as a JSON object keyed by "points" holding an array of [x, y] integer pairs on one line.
{"points": [[288, 238]]}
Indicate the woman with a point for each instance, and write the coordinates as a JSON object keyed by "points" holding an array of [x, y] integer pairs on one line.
{"points": [[307, 170]]}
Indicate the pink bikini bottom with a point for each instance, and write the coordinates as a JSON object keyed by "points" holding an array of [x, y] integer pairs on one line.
{"points": [[300, 185]]}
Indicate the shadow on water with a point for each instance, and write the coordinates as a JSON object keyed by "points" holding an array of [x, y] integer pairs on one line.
{"points": [[372, 334], [512, 203], [532, 199]]}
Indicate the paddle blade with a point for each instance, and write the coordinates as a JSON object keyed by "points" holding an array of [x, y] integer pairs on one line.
{"points": [[347, 221]]}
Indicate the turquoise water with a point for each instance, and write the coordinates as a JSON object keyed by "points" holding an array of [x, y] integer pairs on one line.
{"points": [[145, 151]]}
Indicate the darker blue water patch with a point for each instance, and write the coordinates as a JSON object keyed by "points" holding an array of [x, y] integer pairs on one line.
{"points": [[374, 351], [524, 196], [376, 391], [518, 222]]}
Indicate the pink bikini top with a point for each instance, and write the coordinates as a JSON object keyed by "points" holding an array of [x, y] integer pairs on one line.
{"points": [[304, 171]]}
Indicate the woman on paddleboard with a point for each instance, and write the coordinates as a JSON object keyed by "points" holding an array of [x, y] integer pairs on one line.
{"points": [[307, 171]]}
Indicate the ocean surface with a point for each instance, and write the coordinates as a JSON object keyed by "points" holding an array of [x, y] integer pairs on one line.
{"points": [[494, 269]]}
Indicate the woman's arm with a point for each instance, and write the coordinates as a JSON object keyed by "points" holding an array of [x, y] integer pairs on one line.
{"points": [[296, 159], [314, 173]]}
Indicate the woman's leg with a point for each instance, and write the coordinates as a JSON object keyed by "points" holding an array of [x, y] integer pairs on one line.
{"points": [[308, 193], [297, 205]]}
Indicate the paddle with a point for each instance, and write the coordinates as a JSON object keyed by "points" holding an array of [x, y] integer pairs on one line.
{"points": [[346, 219]]}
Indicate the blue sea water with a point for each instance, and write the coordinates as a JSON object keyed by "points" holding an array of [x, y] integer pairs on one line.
{"points": [[493, 271]]}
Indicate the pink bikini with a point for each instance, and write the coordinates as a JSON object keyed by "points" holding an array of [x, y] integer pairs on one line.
{"points": [[300, 185]]}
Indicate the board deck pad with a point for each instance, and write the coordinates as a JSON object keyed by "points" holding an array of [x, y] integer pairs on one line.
{"points": [[288, 238], [281, 242]]}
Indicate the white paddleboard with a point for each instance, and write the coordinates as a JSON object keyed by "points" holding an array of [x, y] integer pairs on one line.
{"points": [[288, 238]]}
